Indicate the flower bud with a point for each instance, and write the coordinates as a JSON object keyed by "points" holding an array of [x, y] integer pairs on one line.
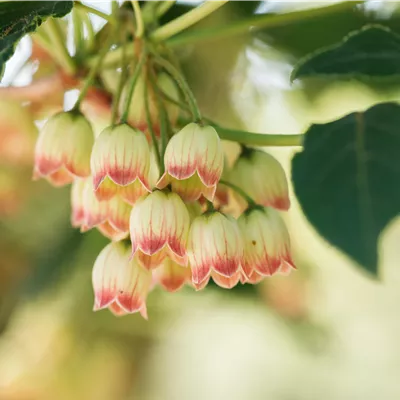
{"points": [[159, 226], [171, 276], [119, 283], [120, 162], [214, 243], [194, 161], [262, 177], [63, 148], [266, 242]]}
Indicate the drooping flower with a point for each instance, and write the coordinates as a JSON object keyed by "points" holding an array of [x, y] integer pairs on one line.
{"points": [[119, 283], [159, 226], [266, 243], [262, 177], [171, 276], [120, 163], [63, 148], [110, 217], [194, 161], [214, 244]]}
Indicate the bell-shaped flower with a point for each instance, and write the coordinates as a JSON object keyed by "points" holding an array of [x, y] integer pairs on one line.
{"points": [[263, 178], [119, 283], [120, 163], [159, 226], [194, 161], [63, 148], [171, 276], [111, 217], [266, 242], [214, 244]]}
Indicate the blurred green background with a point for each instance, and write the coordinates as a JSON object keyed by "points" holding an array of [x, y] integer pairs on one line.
{"points": [[327, 331]]}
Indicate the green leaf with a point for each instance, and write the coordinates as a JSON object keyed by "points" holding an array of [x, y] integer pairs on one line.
{"points": [[347, 180], [18, 18], [373, 51]]}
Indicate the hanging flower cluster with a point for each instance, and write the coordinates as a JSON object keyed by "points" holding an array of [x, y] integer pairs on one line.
{"points": [[157, 186], [165, 230]]}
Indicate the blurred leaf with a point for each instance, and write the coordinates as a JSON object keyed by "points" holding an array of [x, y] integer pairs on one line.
{"points": [[50, 264], [317, 28], [373, 51], [347, 180], [18, 18], [244, 8]]}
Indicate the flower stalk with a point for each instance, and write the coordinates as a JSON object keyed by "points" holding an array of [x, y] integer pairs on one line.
{"points": [[238, 190], [186, 20], [94, 11], [134, 79], [181, 81]]}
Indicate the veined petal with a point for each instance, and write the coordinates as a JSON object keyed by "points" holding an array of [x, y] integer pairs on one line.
{"points": [[189, 189], [180, 155], [201, 285], [59, 178], [118, 213], [197, 252], [108, 273], [157, 221], [78, 146], [135, 287], [172, 276], [210, 156], [117, 310], [77, 204], [99, 156], [178, 221], [226, 282], [49, 150], [65, 142], [214, 242], [106, 189], [150, 262], [95, 211], [109, 232], [195, 149], [129, 156], [132, 192], [149, 223], [261, 176], [266, 241]]}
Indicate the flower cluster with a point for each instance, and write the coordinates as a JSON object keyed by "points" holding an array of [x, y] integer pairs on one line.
{"points": [[164, 227]]}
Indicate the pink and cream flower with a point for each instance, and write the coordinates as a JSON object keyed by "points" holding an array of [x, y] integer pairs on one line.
{"points": [[63, 148], [194, 161], [120, 163], [119, 283], [159, 226], [262, 177], [266, 243], [171, 276], [111, 217], [214, 244]]}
